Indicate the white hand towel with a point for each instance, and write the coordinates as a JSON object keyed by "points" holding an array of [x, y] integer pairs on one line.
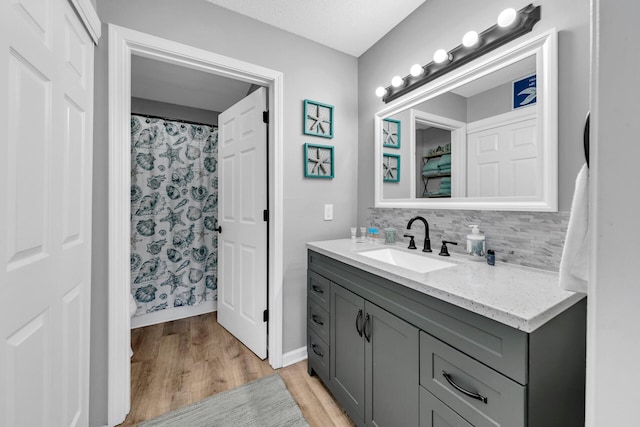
{"points": [[574, 265]]}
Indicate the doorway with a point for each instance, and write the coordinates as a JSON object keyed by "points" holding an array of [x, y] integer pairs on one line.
{"points": [[123, 43]]}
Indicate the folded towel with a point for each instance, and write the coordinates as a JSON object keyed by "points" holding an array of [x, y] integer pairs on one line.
{"points": [[430, 166], [574, 264], [445, 161], [431, 173], [445, 180], [446, 170], [446, 189]]}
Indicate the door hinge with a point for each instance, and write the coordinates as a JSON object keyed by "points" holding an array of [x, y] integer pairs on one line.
{"points": [[265, 116], [265, 316], [265, 215]]}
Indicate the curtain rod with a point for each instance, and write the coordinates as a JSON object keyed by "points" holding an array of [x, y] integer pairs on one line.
{"points": [[171, 119]]}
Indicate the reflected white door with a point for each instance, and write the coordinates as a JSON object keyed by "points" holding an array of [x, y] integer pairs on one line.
{"points": [[46, 107], [242, 244], [504, 161]]}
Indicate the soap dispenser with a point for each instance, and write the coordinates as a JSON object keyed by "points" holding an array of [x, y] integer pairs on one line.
{"points": [[475, 243]]}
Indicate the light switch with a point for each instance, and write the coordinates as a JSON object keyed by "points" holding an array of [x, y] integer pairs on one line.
{"points": [[328, 212]]}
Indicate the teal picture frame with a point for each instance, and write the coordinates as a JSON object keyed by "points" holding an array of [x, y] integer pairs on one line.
{"points": [[318, 161], [390, 167], [317, 119], [391, 133]]}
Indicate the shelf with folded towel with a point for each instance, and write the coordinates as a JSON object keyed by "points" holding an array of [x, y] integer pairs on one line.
{"points": [[437, 166]]}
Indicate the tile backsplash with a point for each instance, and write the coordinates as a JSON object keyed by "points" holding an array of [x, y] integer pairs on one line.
{"points": [[532, 239]]}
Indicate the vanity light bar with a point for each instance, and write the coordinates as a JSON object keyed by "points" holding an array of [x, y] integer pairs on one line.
{"points": [[489, 40]]}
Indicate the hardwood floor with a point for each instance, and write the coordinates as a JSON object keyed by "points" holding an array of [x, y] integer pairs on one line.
{"points": [[181, 362]]}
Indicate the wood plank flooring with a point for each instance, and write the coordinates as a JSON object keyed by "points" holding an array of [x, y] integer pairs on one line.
{"points": [[181, 362]]}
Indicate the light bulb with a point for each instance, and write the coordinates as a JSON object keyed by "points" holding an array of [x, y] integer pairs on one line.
{"points": [[380, 92], [507, 17], [396, 81], [416, 70], [470, 39], [440, 56]]}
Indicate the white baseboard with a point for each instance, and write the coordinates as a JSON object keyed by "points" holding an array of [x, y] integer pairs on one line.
{"points": [[294, 356], [171, 314]]}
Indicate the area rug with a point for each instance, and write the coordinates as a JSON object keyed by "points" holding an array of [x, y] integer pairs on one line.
{"points": [[262, 403]]}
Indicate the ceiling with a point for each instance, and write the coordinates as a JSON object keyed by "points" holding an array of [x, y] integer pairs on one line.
{"points": [[350, 26], [164, 82]]}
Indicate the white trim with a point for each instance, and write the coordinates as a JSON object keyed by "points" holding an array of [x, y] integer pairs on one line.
{"points": [[176, 313], [545, 47], [89, 17], [294, 356], [124, 42], [503, 119], [458, 147]]}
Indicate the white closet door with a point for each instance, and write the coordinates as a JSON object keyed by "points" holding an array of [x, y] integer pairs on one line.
{"points": [[46, 107], [242, 244], [504, 161]]}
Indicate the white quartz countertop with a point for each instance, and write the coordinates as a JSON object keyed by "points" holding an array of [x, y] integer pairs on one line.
{"points": [[520, 297]]}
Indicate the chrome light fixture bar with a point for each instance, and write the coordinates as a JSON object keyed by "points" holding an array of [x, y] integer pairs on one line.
{"points": [[488, 40]]}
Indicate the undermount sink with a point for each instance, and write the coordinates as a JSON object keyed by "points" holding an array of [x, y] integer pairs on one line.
{"points": [[413, 262]]}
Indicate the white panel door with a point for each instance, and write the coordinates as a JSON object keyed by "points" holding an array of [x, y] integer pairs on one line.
{"points": [[242, 244], [504, 161], [46, 107]]}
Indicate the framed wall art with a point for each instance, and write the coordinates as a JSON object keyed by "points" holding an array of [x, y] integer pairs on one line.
{"points": [[318, 161], [391, 133], [390, 167], [318, 119]]}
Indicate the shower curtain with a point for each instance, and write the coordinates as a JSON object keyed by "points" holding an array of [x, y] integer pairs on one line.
{"points": [[174, 199]]}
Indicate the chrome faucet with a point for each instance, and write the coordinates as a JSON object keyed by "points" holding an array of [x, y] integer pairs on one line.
{"points": [[427, 241]]}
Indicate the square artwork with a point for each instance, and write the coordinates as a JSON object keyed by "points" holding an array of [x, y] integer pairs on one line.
{"points": [[318, 161], [391, 168], [318, 119], [391, 133]]}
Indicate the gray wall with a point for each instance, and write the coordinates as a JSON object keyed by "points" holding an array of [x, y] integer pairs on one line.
{"points": [[173, 111], [311, 71], [489, 103], [424, 31]]}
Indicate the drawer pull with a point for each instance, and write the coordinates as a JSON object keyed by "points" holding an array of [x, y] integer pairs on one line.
{"points": [[367, 321], [462, 390], [316, 319], [317, 289], [359, 323], [319, 353]]}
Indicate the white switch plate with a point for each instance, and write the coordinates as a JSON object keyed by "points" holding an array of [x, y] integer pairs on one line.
{"points": [[328, 212]]}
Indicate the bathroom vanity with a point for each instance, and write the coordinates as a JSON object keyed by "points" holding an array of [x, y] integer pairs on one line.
{"points": [[466, 344]]}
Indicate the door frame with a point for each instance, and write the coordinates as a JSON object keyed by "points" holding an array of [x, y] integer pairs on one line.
{"points": [[123, 43]]}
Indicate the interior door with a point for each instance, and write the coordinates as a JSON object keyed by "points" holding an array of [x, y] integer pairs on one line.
{"points": [[504, 161], [46, 107], [242, 242]]}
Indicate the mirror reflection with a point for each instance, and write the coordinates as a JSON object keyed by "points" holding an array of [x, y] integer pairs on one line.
{"points": [[477, 140]]}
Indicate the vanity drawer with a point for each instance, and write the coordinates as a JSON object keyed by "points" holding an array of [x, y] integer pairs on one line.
{"points": [[318, 355], [318, 289], [318, 320], [434, 413], [479, 394]]}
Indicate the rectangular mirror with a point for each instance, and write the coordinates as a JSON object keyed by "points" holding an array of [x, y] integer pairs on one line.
{"points": [[482, 137]]}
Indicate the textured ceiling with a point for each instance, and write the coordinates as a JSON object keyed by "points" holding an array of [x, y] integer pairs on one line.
{"points": [[350, 26]]}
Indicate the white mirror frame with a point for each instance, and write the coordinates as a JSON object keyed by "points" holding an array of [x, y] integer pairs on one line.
{"points": [[545, 47]]}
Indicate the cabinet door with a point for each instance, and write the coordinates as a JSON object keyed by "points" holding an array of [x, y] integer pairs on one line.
{"points": [[392, 366], [347, 350]]}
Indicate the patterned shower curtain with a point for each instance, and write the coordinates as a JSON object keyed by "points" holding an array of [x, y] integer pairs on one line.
{"points": [[174, 199]]}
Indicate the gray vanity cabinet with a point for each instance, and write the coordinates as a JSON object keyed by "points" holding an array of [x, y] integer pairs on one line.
{"points": [[393, 356], [374, 361]]}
